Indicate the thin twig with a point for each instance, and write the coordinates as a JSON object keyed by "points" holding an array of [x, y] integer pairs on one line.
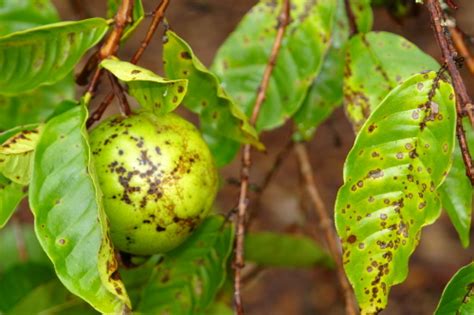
{"points": [[112, 43], [464, 104], [351, 18], [157, 17], [325, 223], [118, 90], [97, 114], [458, 40], [238, 262], [158, 14]]}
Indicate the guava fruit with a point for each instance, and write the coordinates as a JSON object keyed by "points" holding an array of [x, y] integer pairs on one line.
{"points": [[158, 180]]}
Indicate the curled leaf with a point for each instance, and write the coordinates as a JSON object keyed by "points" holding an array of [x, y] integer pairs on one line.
{"points": [[150, 90], [70, 220]]}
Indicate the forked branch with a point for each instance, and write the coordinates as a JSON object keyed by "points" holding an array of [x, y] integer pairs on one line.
{"points": [[464, 104], [157, 17], [238, 263]]}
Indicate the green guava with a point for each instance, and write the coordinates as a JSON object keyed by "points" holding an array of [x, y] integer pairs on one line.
{"points": [[158, 180]]}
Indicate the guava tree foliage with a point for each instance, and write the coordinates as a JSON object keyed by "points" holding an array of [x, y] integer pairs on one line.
{"points": [[123, 209]]}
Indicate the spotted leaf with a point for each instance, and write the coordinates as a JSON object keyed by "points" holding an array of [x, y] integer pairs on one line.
{"points": [[45, 54], [206, 97], [188, 278], [70, 221], [16, 154], [377, 62], [241, 60], [458, 296], [150, 90], [400, 157], [325, 93]]}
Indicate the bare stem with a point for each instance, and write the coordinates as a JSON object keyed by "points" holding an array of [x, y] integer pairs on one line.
{"points": [[458, 40], [157, 17], [97, 114], [464, 104], [112, 43], [238, 262], [118, 90], [325, 223]]}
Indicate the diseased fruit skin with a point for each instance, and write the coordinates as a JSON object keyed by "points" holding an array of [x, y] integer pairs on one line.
{"points": [[158, 179]]}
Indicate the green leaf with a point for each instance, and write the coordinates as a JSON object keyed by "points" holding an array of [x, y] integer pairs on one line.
{"points": [[218, 308], [456, 196], [17, 242], [188, 278], [400, 157], [136, 279], [241, 60], [51, 298], [11, 194], [151, 91], [45, 54], [18, 15], [280, 250], [206, 97], [137, 16], [458, 296], [376, 63], [16, 155], [34, 106], [325, 93], [69, 217], [363, 14], [20, 280]]}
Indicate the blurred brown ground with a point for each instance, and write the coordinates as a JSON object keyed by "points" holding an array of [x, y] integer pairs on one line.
{"points": [[205, 25]]}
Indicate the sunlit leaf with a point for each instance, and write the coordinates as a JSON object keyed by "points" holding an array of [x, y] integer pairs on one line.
{"points": [[16, 15], [217, 112], [188, 278], [16, 155], [45, 54], [376, 63], [150, 90], [400, 157], [69, 218], [458, 296], [283, 250]]}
